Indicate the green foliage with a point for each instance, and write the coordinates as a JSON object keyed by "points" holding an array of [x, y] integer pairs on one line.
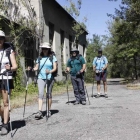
{"points": [[17, 31], [123, 45], [78, 28]]}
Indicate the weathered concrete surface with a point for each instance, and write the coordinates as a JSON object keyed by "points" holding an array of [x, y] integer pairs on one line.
{"points": [[115, 118]]}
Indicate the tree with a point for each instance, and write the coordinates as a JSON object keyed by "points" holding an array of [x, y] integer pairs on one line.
{"points": [[125, 34], [78, 28]]}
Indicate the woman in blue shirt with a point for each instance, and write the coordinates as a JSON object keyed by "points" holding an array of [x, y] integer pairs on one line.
{"points": [[46, 67]]}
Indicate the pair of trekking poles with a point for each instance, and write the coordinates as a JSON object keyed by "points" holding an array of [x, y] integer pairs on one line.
{"points": [[79, 95], [8, 91], [47, 99]]}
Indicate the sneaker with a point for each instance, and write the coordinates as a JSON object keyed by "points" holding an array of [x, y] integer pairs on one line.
{"points": [[106, 96], [4, 129], [83, 102], [98, 95], [76, 103], [39, 115]]}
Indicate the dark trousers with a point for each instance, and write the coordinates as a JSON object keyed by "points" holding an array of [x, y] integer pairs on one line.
{"points": [[78, 86]]}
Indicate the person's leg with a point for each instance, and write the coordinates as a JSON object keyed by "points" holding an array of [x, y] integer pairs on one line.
{"points": [[75, 88], [1, 108], [98, 87], [6, 106], [49, 92], [105, 87], [80, 82], [41, 86], [105, 84], [98, 79]]}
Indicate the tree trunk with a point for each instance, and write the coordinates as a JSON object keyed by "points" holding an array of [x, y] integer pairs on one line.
{"points": [[135, 67]]}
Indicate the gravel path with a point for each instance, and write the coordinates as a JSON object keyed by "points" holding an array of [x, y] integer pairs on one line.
{"points": [[115, 118]]}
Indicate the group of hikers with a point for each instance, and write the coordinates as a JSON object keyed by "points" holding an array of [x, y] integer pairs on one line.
{"points": [[46, 65]]}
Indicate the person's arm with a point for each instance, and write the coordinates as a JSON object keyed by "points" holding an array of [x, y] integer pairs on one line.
{"points": [[13, 62], [94, 64], [83, 68], [83, 65], [54, 68], [106, 64], [68, 67], [36, 67]]}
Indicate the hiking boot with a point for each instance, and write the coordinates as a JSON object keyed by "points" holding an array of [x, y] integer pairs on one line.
{"points": [[39, 115], [106, 96], [83, 102], [4, 129], [98, 95], [76, 103]]}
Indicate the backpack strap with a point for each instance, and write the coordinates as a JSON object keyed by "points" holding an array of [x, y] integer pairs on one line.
{"points": [[1, 60], [102, 58], [78, 58]]}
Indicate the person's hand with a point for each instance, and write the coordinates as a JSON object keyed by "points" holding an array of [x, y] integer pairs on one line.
{"points": [[103, 69], [94, 69], [29, 68], [81, 70], [66, 71], [47, 71], [7, 67]]}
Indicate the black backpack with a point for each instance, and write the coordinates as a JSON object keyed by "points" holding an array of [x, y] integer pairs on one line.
{"points": [[55, 74]]}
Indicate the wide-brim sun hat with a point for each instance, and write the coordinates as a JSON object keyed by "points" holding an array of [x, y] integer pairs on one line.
{"points": [[45, 45], [2, 34]]}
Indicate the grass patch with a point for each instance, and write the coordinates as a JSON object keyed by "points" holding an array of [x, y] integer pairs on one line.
{"points": [[18, 98], [133, 86]]}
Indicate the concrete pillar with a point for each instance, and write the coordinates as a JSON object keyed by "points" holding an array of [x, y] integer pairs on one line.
{"points": [[57, 49], [80, 48], [66, 52], [46, 32]]}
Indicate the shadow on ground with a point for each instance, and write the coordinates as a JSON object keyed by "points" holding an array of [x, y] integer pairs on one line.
{"points": [[16, 125]]}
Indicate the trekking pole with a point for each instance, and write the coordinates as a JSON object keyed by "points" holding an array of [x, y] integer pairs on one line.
{"points": [[26, 93], [87, 95], [86, 90], [93, 86], [67, 87], [46, 99], [9, 103]]}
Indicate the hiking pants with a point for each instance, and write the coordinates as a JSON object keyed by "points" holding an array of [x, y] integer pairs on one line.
{"points": [[78, 86], [42, 85]]}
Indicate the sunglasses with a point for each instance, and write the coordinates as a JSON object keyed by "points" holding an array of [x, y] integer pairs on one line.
{"points": [[2, 38], [45, 48]]}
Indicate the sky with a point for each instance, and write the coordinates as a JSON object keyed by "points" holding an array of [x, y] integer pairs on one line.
{"points": [[96, 13]]}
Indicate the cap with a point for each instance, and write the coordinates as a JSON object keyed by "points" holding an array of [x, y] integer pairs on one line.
{"points": [[100, 50]]}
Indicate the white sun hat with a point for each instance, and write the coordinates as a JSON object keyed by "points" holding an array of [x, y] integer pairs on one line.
{"points": [[45, 45], [2, 33]]}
